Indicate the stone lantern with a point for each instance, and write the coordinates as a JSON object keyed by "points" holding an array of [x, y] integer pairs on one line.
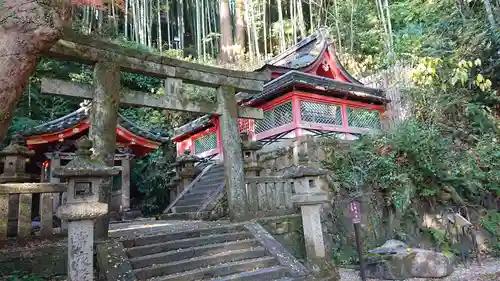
{"points": [[15, 156], [250, 157], [310, 198], [81, 208], [185, 168]]}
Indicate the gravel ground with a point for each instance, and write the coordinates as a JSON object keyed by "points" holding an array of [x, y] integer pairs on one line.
{"points": [[489, 271]]}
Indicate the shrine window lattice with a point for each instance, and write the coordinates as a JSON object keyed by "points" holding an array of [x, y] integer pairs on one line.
{"points": [[205, 143], [275, 117], [321, 113], [363, 118], [244, 125]]}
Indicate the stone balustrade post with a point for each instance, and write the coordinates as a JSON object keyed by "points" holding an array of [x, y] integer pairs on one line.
{"points": [[185, 168], [310, 197], [249, 148], [305, 151], [85, 176], [172, 186]]}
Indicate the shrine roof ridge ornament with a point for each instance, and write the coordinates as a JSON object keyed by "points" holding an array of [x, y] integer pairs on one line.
{"points": [[89, 50], [72, 119]]}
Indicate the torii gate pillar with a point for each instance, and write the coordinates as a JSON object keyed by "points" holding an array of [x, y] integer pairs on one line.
{"points": [[233, 156], [103, 116]]}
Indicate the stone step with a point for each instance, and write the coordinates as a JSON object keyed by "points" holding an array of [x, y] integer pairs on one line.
{"points": [[186, 243], [268, 274], [167, 237], [188, 253], [207, 189], [197, 195], [197, 262], [212, 180], [204, 188], [188, 202], [215, 171], [185, 216], [186, 209], [220, 270]]}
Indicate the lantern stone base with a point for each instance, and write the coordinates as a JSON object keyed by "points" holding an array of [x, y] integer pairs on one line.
{"points": [[82, 211]]}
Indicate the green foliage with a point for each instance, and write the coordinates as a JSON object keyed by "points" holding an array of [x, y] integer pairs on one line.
{"points": [[447, 153], [150, 175], [25, 278], [491, 222]]}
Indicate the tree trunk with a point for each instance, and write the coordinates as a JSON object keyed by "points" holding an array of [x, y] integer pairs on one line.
{"points": [[125, 24], [198, 29], [159, 42], [264, 28], [254, 30], [337, 26], [180, 23], [27, 30], [302, 25], [489, 13], [240, 24], [282, 28], [226, 34]]}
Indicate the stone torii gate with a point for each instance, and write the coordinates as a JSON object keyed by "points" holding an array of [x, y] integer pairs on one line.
{"points": [[109, 59]]}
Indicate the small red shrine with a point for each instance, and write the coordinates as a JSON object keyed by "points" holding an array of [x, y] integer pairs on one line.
{"points": [[310, 93], [54, 146]]}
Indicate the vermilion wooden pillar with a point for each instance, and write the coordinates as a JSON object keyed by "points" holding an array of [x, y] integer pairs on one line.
{"points": [[296, 115]]}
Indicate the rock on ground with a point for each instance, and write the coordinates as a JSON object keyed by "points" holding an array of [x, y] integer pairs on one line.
{"points": [[489, 271]]}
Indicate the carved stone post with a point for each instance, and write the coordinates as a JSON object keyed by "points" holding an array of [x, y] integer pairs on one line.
{"points": [[55, 162], [125, 200], [15, 156], [233, 160], [172, 186], [310, 197], [250, 157], [84, 176], [186, 169]]}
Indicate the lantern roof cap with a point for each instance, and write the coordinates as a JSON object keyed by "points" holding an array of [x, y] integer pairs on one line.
{"points": [[17, 146], [187, 157], [248, 145]]}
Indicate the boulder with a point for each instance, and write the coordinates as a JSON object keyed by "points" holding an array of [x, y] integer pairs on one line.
{"points": [[396, 261]]}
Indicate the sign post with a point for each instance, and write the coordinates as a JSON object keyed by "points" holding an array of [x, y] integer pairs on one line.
{"points": [[355, 211]]}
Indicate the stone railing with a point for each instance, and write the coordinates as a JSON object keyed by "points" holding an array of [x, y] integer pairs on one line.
{"points": [[269, 196], [20, 211]]}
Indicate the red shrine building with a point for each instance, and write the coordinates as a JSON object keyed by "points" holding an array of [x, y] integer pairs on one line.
{"points": [[54, 146], [310, 93]]}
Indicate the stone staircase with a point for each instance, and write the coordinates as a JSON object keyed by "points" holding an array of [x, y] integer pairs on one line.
{"points": [[243, 252], [196, 203]]}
